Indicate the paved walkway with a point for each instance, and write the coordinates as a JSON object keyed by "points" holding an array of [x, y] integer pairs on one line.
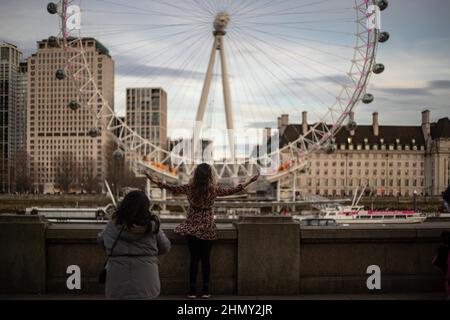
{"points": [[375, 296]]}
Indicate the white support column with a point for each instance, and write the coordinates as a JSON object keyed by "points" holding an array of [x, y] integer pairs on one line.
{"points": [[278, 195], [164, 198], [220, 25], [294, 190], [227, 97], [294, 186], [148, 189], [204, 98]]}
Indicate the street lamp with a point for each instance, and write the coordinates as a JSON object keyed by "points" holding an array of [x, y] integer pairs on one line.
{"points": [[415, 200]]}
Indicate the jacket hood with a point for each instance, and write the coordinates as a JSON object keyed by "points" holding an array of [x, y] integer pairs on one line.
{"points": [[132, 233]]}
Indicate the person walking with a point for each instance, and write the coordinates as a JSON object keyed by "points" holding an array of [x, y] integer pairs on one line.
{"points": [[199, 228], [446, 199], [442, 260]]}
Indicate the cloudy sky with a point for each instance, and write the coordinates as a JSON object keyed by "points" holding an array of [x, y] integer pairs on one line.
{"points": [[284, 56]]}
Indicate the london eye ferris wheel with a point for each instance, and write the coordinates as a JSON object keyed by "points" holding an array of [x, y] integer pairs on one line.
{"points": [[227, 65]]}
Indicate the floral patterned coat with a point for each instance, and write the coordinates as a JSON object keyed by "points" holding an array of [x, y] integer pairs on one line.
{"points": [[200, 220]]}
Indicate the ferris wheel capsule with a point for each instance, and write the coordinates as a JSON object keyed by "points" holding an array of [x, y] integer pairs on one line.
{"points": [[330, 148], [351, 126], [74, 105], [52, 8], [60, 74], [383, 4], [383, 37], [118, 154], [94, 132], [378, 68], [52, 41], [368, 98]]}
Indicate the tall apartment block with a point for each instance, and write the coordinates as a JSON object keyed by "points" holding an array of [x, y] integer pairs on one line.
{"points": [[146, 114], [57, 136], [11, 114], [21, 110]]}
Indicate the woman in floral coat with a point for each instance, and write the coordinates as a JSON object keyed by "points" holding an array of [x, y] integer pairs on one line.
{"points": [[199, 226]]}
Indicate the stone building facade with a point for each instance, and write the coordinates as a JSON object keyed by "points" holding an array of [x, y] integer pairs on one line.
{"points": [[389, 160]]}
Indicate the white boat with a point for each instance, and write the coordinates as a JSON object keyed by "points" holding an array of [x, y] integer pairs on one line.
{"points": [[357, 215], [72, 214]]}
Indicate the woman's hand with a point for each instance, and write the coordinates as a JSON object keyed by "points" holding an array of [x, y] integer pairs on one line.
{"points": [[252, 180]]}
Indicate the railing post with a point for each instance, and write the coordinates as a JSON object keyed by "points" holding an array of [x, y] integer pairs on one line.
{"points": [[23, 254], [268, 256]]}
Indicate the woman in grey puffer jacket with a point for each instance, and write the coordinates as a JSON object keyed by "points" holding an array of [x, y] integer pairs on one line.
{"points": [[132, 269]]}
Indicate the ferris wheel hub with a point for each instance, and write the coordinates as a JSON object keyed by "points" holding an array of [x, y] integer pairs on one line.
{"points": [[221, 23]]}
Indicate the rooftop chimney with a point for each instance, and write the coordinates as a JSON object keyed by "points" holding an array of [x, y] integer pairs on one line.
{"points": [[279, 123], [285, 120], [352, 118], [268, 133], [426, 126], [376, 124], [305, 122]]}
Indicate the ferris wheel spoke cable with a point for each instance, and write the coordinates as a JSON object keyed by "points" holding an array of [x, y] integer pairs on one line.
{"points": [[289, 12], [270, 25], [265, 89], [177, 76], [305, 39], [243, 5], [236, 68], [147, 41], [312, 48], [248, 92], [270, 4], [134, 24], [118, 31], [194, 13], [288, 53], [203, 5], [153, 54], [197, 60], [269, 73], [316, 21], [183, 9], [256, 80], [278, 66], [170, 62], [185, 18], [161, 52], [180, 104], [290, 92], [133, 27]]}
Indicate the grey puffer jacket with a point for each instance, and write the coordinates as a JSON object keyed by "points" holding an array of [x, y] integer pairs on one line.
{"points": [[132, 271]]}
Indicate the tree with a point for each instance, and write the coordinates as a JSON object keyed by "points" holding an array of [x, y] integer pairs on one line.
{"points": [[90, 180], [24, 181], [66, 170], [119, 173]]}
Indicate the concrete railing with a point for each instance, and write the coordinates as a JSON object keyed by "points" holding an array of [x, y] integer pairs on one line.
{"points": [[254, 256]]}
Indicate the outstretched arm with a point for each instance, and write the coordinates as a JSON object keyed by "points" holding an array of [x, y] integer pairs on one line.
{"points": [[175, 189], [222, 192], [252, 180]]}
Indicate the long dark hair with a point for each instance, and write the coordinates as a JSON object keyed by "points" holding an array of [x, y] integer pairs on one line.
{"points": [[134, 210], [202, 183]]}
